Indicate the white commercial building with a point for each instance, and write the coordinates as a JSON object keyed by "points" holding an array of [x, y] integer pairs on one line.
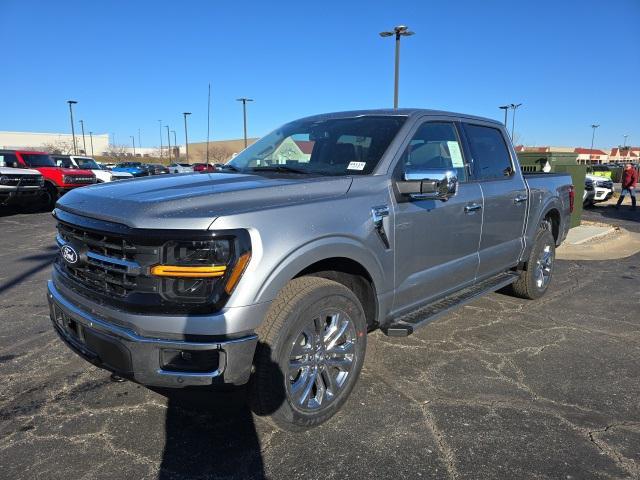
{"points": [[62, 142]]}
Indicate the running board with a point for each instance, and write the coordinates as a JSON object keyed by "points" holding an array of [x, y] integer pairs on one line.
{"points": [[407, 323]]}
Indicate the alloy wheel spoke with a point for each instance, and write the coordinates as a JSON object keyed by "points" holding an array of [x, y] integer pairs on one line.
{"points": [[328, 377], [343, 362], [330, 340], [310, 381], [342, 349]]}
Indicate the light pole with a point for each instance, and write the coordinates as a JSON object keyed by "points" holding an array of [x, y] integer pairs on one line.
{"points": [[399, 31], [505, 108], [593, 136], [168, 143], [186, 137], [244, 101], [73, 131], [91, 138], [160, 122], [139, 141], [133, 142], [175, 142], [624, 145], [84, 144], [514, 106]]}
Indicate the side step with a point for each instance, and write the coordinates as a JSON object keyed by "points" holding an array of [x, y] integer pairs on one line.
{"points": [[406, 324]]}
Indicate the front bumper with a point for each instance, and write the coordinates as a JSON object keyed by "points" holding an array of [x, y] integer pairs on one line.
{"points": [[139, 358], [602, 194]]}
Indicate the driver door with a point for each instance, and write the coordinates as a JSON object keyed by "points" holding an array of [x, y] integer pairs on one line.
{"points": [[436, 242]]}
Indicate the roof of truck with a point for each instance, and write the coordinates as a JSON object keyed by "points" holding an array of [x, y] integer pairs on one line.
{"points": [[404, 112]]}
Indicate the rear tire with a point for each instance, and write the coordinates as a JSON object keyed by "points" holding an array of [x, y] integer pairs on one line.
{"points": [[536, 276], [310, 352]]}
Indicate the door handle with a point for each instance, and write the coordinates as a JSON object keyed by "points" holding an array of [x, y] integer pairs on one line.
{"points": [[472, 207], [520, 198]]}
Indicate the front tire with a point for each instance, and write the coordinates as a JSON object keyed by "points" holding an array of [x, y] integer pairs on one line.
{"points": [[50, 196], [534, 280], [310, 352]]}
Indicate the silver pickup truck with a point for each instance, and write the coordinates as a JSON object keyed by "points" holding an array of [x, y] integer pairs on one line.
{"points": [[271, 272]]}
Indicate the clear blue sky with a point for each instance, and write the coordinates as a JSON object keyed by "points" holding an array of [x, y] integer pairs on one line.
{"points": [[571, 63]]}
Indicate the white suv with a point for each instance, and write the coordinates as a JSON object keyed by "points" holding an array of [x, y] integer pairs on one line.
{"points": [[603, 188]]}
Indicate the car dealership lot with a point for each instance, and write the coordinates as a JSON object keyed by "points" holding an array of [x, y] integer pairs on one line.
{"points": [[502, 388]]}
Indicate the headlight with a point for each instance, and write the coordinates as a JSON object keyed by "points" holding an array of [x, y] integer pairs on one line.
{"points": [[202, 271], [41, 181], [4, 180], [66, 179]]}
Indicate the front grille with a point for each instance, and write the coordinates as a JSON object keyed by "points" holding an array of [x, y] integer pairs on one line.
{"points": [[107, 263], [605, 184], [79, 179], [22, 180]]}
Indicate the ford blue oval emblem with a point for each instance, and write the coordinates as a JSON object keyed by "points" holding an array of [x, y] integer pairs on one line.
{"points": [[69, 254]]}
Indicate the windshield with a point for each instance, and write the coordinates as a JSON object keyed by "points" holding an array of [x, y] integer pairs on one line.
{"points": [[38, 160], [338, 146], [88, 163]]}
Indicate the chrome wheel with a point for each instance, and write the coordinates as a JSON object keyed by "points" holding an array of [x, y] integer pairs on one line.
{"points": [[321, 359], [544, 265]]}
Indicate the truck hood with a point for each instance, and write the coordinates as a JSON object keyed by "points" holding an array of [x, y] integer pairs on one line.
{"points": [[18, 171], [49, 171], [194, 201]]}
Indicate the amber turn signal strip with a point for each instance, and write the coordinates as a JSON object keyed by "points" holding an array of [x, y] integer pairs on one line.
{"points": [[178, 271], [237, 272]]}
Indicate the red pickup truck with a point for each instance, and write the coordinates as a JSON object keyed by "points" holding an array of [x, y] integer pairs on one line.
{"points": [[57, 180]]}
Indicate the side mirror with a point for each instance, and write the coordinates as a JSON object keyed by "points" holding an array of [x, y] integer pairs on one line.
{"points": [[429, 184]]}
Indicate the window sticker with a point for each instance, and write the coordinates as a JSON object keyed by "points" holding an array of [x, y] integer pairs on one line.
{"points": [[356, 165], [456, 154]]}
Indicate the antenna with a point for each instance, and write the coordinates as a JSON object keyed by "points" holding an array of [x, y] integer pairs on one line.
{"points": [[208, 122]]}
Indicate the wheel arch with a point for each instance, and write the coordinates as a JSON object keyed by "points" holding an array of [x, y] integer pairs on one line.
{"points": [[342, 259]]}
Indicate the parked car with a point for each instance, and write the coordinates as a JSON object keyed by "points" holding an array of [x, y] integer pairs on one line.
{"points": [[589, 192], [18, 186], [57, 180], [102, 174], [158, 169], [602, 188], [203, 167], [137, 169], [181, 168], [273, 273]]}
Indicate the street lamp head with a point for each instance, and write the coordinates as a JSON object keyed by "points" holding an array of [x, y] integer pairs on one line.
{"points": [[515, 105], [71, 102], [186, 113], [400, 28], [386, 34], [594, 126], [504, 107], [244, 99]]}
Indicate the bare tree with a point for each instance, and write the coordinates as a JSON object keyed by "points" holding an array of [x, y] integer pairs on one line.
{"points": [[59, 147], [219, 154], [116, 151]]}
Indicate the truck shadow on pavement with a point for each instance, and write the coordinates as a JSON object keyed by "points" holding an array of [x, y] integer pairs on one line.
{"points": [[212, 434], [44, 261]]}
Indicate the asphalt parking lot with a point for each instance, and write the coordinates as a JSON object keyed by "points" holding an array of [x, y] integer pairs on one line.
{"points": [[502, 388]]}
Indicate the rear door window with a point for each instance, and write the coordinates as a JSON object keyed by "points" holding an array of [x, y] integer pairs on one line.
{"points": [[491, 159]]}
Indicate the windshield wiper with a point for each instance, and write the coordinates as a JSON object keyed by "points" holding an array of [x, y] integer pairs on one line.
{"points": [[281, 168]]}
